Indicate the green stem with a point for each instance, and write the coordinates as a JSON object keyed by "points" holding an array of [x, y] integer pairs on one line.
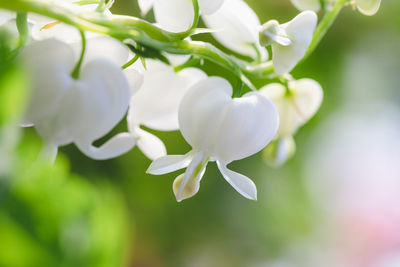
{"points": [[324, 26], [142, 32], [23, 28], [76, 71], [130, 62], [191, 62]]}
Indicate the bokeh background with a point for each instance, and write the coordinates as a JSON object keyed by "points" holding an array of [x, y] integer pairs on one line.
{"points": [[336, 203]]}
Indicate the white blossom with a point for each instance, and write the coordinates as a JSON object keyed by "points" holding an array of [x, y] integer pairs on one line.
{"points": [[219, 129], [314, 5], [237, 27], [177, 15], [290, 40], [45, 28], [156, 104], [296, 106], [66, 110]]}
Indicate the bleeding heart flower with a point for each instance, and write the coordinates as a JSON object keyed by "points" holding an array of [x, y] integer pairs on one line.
{"points": [[156, 104], [46, 28], [177, 15], [219, 129], [296, 105], [289, 41], [237, 26], [65, 110]]}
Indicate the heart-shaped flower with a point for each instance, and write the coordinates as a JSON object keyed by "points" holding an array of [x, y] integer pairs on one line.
{"points": [[237, 27], [156, 104], [177, 15], [65, 110], [219, 129], [45, 28], [289, 41], [296, 104]]}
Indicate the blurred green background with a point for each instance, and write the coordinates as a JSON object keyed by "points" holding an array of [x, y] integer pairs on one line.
{"points": [[83, 212]]}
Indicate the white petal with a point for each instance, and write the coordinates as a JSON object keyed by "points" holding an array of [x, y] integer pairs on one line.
{"points": [[302, 5], [279, 151], [199, 112], [156, 104], [249, 124], [237, 26], [116, 146], [103, 47], [208, 7], [59, 31], [298, 107], [49, 152], [145, 6], [300, 31], [102, 99], [368, 7], [151, 146], [170, 163], [174, 15], [241, 183], [188, 184], [6, 16], [225, 128], [135, 80], [49, 64]]}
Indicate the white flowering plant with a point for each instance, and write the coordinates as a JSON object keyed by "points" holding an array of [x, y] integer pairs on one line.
{"points": [[90, 69]]}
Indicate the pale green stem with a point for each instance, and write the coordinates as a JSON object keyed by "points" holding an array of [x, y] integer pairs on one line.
{"points": [[23, 28], [324, 26], [130, 62], [77, 69], [147, 34]]}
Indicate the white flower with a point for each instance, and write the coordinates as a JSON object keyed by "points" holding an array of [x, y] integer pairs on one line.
{"points": [[295, 106], [237, 28], [366, 7], [314, 5], [219, 129], [66, 110], [156, 104], [177, 15], [45, 28], [289, 41]]}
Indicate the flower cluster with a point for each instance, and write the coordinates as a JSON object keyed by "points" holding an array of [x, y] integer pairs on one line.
{"points": [[91, 69]]}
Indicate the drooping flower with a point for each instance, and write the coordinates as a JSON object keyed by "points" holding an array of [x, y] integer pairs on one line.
{"points": [[296, 105], [219, 129], [289, 41], [156, 104], [237, 27], [45, 28], [177, 15], [302, 5], [366, 7], [66, 110]]}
